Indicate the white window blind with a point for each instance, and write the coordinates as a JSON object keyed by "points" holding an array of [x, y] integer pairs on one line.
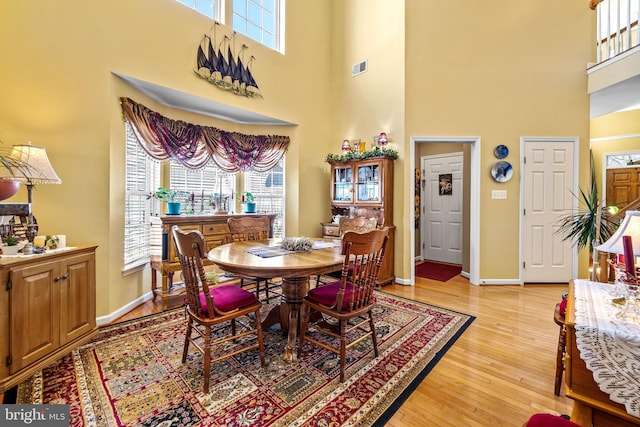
{"points": [[142, 177], [206, 184], [268, 189]]}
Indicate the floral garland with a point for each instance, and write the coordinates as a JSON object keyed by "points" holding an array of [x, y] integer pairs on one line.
{"points": [[298, 244], [352, 155]]}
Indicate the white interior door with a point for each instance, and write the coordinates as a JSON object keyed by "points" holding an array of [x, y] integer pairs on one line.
{"points": [[442, 208], [548, 183]]}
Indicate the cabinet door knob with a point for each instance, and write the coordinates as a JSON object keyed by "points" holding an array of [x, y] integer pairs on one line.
{"points": [[59, 278]]}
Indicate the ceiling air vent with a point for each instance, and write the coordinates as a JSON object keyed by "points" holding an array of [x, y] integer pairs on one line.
{"points": [[359, 68]]}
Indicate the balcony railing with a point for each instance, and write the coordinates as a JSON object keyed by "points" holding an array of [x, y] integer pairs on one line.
{"points": [[617, 27]]}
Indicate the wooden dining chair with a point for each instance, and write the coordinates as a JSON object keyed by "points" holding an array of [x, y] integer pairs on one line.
{"points": [[252, 228], [558, 318], [208, 307], [359, 224], [349, 301]]}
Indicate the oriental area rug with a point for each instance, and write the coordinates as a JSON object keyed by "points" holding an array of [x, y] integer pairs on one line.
{"points": [[132, 375]]}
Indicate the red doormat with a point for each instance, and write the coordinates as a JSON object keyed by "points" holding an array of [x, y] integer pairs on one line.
{"points": [[437, 271]]}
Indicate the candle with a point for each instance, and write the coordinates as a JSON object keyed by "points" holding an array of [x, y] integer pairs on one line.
{"points": [[628, 256]]}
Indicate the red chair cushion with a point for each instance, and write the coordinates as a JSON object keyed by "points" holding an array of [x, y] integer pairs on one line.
{"points": [[327, 294], [228, 297], [548, 420], [563, 305]]}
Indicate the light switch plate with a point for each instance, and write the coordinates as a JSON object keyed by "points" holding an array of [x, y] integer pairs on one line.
{"points": [[499, 194]]}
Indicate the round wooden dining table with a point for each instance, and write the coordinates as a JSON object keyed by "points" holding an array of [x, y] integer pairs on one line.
{"points": [[265, 258]]}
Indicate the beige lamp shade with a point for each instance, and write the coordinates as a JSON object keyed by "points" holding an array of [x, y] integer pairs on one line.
{"points": [[630, 226], [40, 170]]}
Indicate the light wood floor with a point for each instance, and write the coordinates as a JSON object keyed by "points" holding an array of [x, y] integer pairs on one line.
{"points": [[499, 372]]}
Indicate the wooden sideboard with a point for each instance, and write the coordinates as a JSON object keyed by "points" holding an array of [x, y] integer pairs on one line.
{"points": [[591, 405], [47, 308], [215, 231]]}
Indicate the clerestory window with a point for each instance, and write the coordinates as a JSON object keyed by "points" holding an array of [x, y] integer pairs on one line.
{"points": [[260, 20]]}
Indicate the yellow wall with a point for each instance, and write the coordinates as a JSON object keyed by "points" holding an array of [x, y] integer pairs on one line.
{"points": [[613, 133], [498, 70], [59, 92], [372, 102]]}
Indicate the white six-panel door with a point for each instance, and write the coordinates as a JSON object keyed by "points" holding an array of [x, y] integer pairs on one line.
{"points": [[441, 214], [548, 182]]}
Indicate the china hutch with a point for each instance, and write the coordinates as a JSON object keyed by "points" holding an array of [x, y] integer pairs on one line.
{"points": [[364, 188]]}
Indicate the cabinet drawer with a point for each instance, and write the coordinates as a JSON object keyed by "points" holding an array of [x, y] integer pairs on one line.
{"points": [[214, 242], [211, 229], [331, 230]]}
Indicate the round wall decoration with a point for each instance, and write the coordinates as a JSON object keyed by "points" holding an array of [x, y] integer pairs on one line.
{"points": [[501, 151], [502, 171]]}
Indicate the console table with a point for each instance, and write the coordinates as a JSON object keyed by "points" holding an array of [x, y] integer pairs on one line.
{"points": [[164, 256], [596, 343]]}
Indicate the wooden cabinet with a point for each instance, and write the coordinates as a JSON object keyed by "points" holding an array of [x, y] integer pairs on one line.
{"points": [[365, 188], [215, 231], [48, 307]]}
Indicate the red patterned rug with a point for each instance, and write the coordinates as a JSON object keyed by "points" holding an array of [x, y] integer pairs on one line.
{"points": [[132, 375], [437, 271]]}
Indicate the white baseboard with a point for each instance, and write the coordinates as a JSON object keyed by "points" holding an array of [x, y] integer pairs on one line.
{"points": [[102, 320], [500, 282]]}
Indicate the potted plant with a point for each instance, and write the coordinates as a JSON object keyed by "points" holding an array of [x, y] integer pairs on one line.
{"points": [[10, 245], [172, 197], [249, 202], [591, 224]]}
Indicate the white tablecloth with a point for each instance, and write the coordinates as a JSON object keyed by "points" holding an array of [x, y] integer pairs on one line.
{"points": [[609, 347]]}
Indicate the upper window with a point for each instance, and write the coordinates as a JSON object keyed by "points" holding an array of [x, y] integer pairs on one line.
{"points": [[260, 20], [210, 8]]}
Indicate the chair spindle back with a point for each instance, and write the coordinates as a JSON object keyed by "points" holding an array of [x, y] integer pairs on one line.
{"points": [[363, 258]]}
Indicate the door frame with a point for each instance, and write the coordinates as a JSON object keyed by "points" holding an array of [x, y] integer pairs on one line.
{"points": [[474, 202], [423, 191], [574, 202]]}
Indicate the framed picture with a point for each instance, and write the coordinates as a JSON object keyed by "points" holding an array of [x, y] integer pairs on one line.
{"points": [[446, 184]]}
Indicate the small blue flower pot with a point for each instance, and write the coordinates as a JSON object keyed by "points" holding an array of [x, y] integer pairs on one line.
{"points": [[250, 207], [173, 208]]}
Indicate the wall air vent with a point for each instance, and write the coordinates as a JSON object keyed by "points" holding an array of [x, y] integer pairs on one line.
{"points": [[359, 68]]}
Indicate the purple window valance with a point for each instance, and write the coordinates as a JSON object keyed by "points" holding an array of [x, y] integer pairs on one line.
{"points": [[194, 145]]}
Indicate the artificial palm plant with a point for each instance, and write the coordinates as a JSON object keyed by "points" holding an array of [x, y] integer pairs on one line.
{"points": [[590, 224]]}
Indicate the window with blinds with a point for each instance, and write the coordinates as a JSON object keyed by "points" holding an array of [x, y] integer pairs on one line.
{"points": [[268, 189], [142, 178], [207, 187]]}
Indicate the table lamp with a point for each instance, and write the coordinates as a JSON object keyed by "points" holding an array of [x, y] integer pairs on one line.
{"points": [[39, 171], [626, 240]]}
